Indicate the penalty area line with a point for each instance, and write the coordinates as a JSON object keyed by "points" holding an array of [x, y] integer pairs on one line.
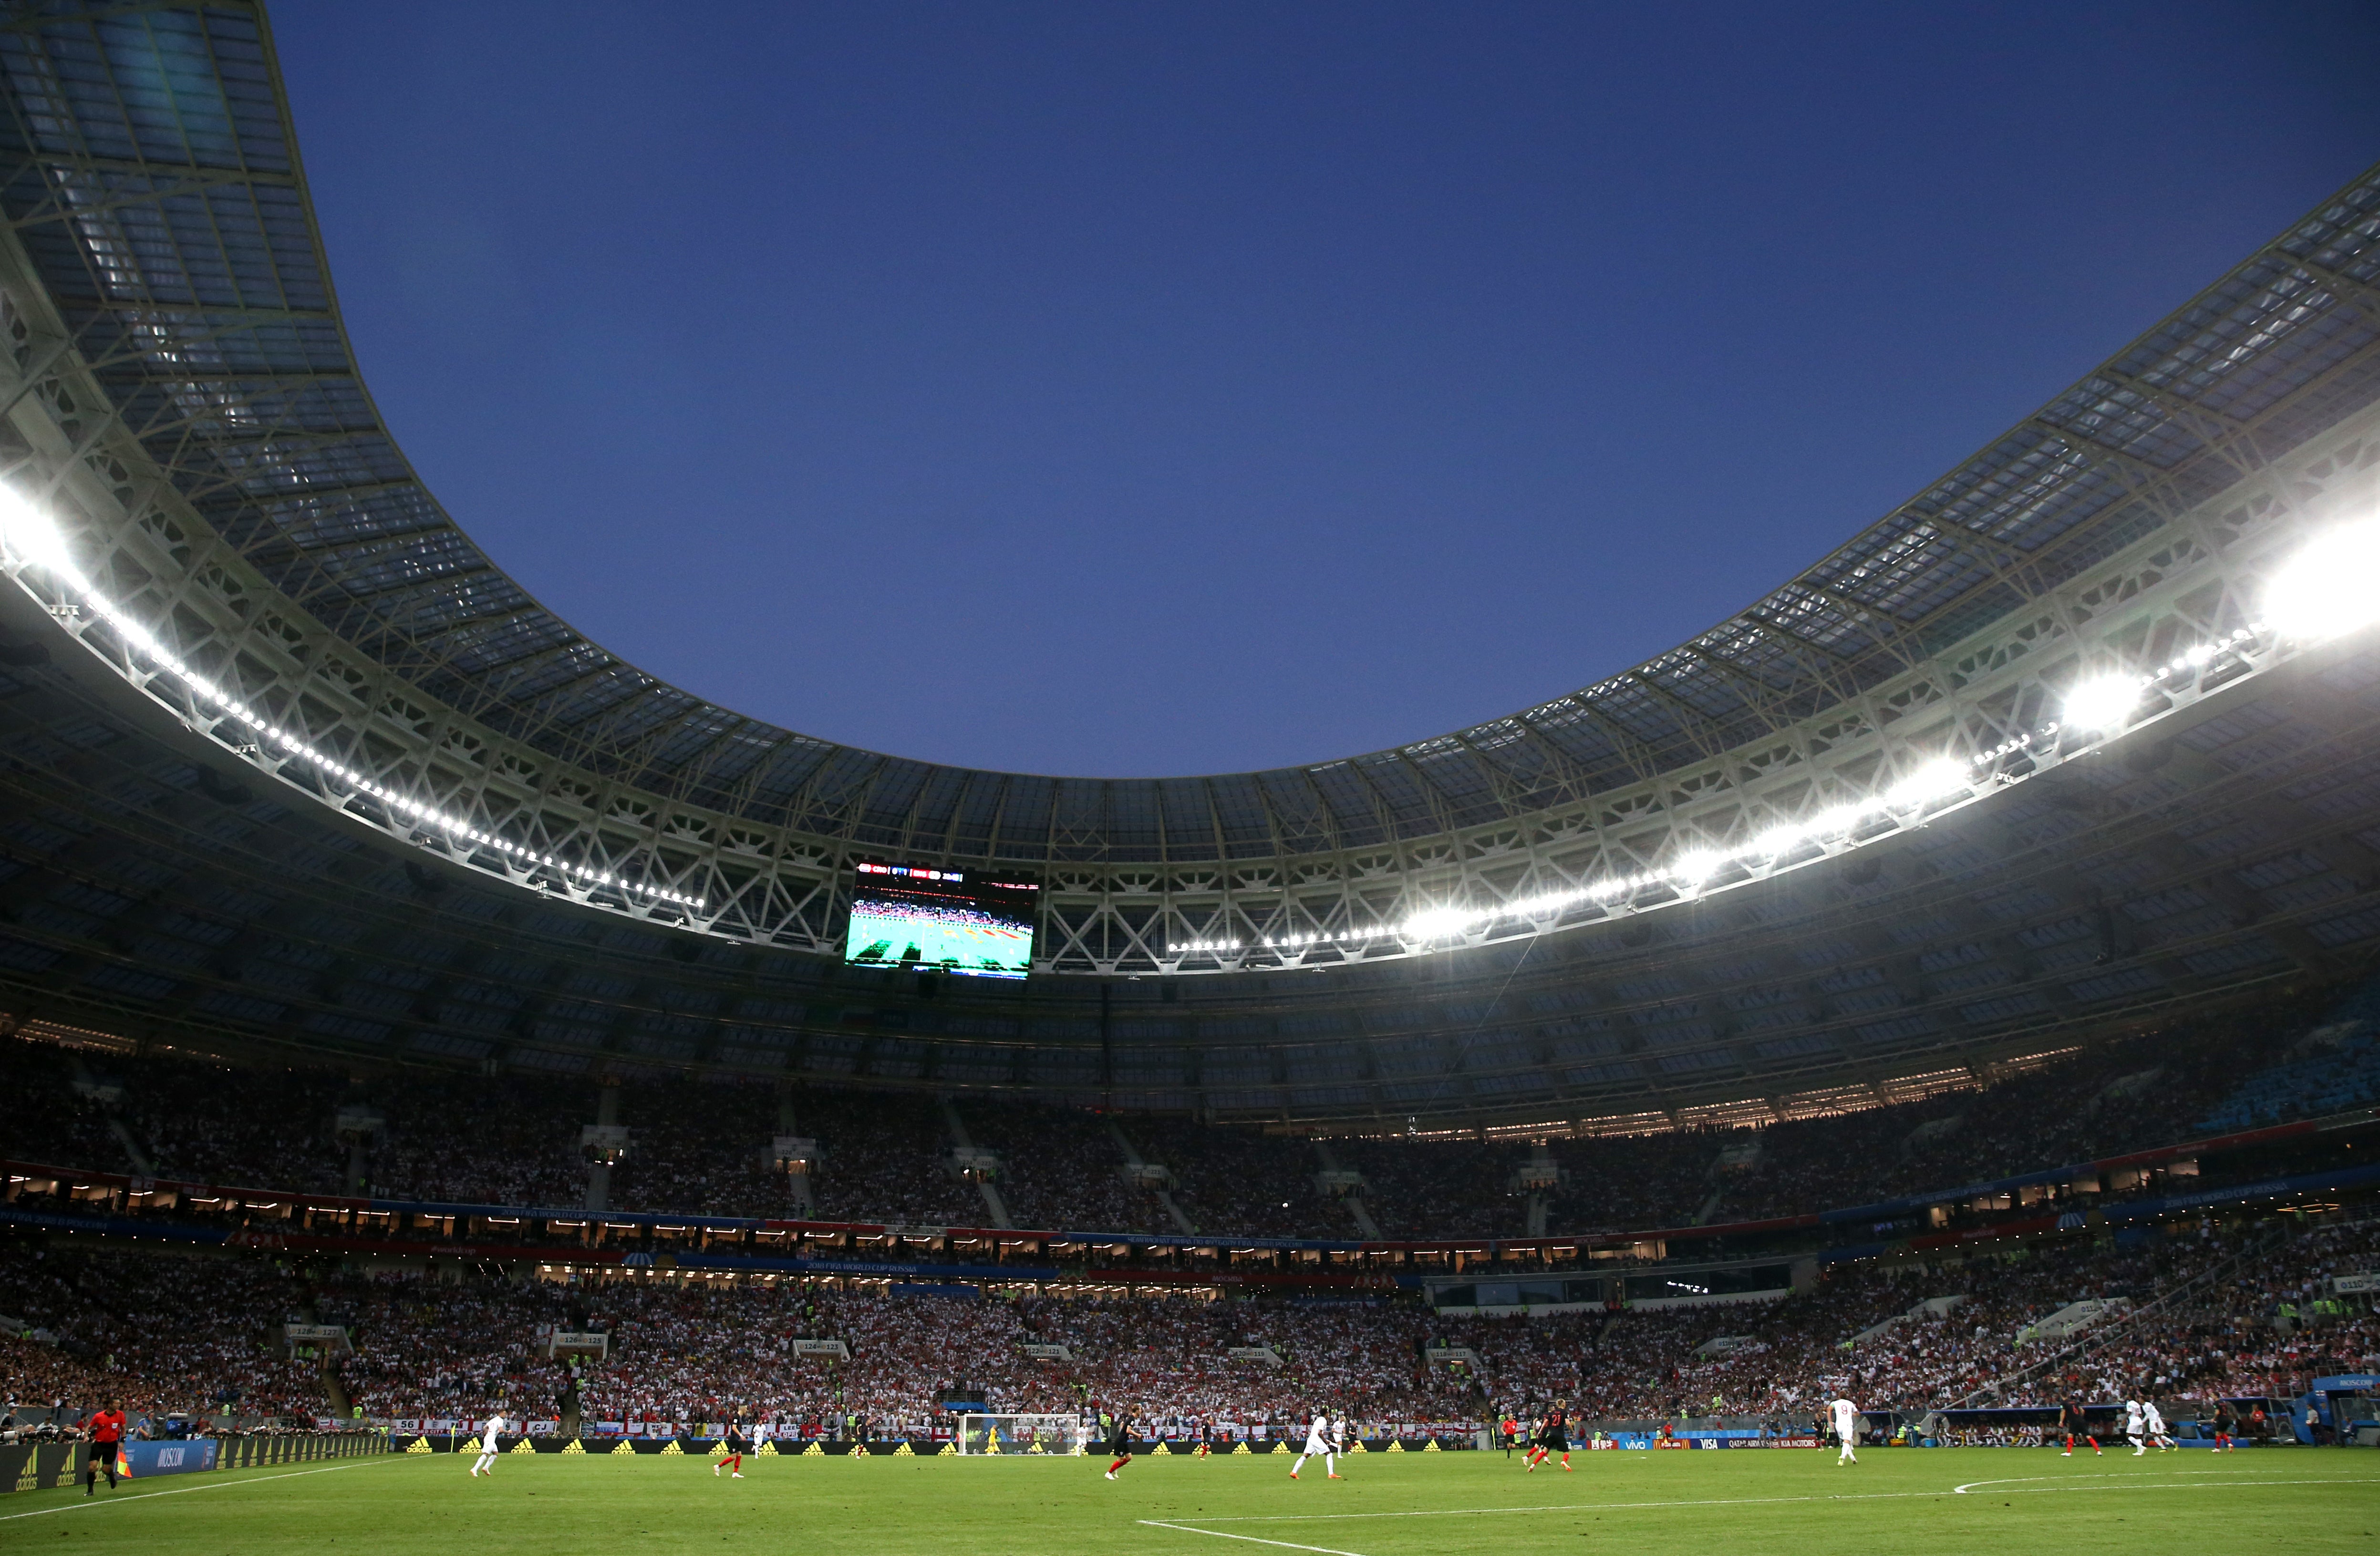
{"points": [[89, 1502], [1252, 1539]]}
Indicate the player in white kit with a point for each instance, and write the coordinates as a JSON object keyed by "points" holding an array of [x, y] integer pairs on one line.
{"points": [[487, 1464], [2135, 1426], [1847, 1419], [2154, 1420], [1317, 1441]]}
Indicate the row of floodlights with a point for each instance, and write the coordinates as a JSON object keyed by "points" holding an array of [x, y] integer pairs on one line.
{"points": [[2331, 587], [32, 538]]}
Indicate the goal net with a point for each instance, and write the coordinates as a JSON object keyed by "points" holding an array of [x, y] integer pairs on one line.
{"points": [[1021, 1434]]}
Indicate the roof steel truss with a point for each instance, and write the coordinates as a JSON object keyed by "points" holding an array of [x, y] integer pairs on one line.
{"points": [[181, 385]]}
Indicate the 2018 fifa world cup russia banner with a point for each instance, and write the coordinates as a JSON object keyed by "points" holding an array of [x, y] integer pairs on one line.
{"points": [[141, 1460]]}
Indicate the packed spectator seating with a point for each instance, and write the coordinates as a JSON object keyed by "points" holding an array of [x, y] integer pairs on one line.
{"points": [[699, 1148], [1410, 1188], [1240, 1182], [1637, 1181], [158, 1333], [2206, 1337], [2196, 1310], [887, 1160], [2332, 1068], [476, 1145], [2148, 1091], [702, 1145], [444, 1349], [1061, 1167]]}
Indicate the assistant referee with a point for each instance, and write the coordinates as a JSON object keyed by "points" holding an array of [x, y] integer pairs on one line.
{"points": [[106, 1428]]}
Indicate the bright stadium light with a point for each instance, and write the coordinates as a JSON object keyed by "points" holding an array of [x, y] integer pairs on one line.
{"points": [[1836, 819], [1698, 866], [30, 534], [1931, 780], [1436, 923], [2101, 702], [2325, 590], [2330, 587]]}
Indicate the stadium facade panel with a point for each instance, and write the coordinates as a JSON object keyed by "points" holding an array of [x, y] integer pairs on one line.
{"points": [[295, 764]]}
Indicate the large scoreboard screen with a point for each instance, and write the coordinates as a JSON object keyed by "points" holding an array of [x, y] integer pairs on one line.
{"points": [[927, 917]]}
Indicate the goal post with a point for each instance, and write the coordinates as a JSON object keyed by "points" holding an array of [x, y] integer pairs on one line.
{"points": [[991, 1435]]}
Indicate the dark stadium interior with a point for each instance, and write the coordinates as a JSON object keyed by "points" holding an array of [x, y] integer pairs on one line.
{"points": [[1508, 1067]]}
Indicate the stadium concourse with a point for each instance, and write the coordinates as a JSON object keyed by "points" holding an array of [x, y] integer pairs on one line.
{"points": [[1945, 983]]}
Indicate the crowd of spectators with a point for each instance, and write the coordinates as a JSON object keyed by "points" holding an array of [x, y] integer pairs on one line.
{"points": [[886, 1159], [1410, 1188], [158, 1334], [2183, 1318], [703, 1146], [1061, 1167], [2181, 1314], [430, 1348], [2138, 1093], [1241, 1182]]}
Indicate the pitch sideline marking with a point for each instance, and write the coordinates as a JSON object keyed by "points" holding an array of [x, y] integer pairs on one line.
{"points": [[1252, 1539], [1708, 1502], [2234, 1474], [1736, 1501], [178, 1491]]}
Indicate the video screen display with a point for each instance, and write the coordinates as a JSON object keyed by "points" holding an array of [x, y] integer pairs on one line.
{"points": [[932, 919]]}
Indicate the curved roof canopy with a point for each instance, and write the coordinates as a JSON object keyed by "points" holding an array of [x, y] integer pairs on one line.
{"points": [[151, 172], [173, 373]]}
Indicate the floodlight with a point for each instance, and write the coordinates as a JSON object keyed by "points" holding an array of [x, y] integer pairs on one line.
{"points": [[30, 533], [1780, 839], [1436, 923], [2331, 585], [1931, 780], [1836, 819], [1698, 866], [2102, 702]]}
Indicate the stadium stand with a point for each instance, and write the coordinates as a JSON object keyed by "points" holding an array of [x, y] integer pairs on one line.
{"points": [[2332, 1068], [2218, 1311], [1842, 999], [701, 1146]]}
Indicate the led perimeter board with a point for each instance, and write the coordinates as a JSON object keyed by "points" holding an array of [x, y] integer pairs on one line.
{"points": [[953, 920]]}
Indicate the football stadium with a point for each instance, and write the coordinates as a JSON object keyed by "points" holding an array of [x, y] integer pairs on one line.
{"points": [[464, 1089]]}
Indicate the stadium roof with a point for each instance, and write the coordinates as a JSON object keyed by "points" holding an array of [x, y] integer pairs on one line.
{"points": [[152, 175], [257, 867]]}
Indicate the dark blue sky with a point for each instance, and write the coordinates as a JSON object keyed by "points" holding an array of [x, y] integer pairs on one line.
{"points": [[1128, 388]]}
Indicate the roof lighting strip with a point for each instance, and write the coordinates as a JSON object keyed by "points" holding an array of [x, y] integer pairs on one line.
{"points": [[2329, 588], [31, 538]]}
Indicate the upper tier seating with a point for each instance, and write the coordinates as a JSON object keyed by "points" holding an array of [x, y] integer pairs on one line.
{"points": [[703, 1146]]}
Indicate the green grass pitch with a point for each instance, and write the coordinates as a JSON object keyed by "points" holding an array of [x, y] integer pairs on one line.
{"points": [[1791, 1500]]}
